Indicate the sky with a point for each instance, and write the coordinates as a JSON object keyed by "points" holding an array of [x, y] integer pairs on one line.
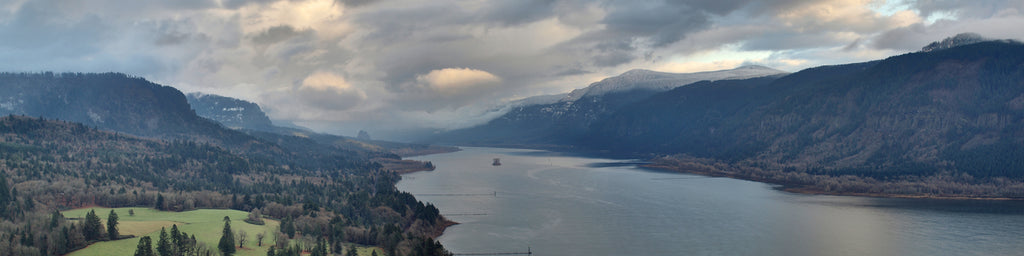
{"points": [[397, 67]]}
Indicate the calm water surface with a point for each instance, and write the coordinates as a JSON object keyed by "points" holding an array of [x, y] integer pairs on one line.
{"points": [[558, 204]]}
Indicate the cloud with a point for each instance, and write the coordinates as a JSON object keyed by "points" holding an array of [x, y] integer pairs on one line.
{"points": [[450, 81], [329, 91], [368, 64], [356, 3], [275, 34]]}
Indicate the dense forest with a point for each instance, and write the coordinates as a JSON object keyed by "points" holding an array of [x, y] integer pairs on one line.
{"points": [[50, 165]]}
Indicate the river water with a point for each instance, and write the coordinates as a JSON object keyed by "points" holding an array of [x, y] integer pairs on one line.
{"points": [[558, 204]]}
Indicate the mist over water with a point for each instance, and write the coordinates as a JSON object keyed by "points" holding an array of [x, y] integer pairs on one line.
{"points": [[558, 204]]}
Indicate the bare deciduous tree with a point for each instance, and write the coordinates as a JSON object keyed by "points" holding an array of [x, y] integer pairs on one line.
{"points": [[241, 236]]}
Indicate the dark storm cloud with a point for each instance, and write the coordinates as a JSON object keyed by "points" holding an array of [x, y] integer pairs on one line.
{"points": [[966, 8], [661, 23], [356, 3], [275, 34], [173, 32], [39, 30], [782, 40], [904, 38], [518, 12], [234, 4], [717, 7]]}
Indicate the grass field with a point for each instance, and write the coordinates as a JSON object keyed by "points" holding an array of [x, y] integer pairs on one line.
{"points": [[206, 224]]}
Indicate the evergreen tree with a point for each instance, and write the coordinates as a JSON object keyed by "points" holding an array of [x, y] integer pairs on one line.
{"points": [[270, 252], [352, 251], [320, 249], [288, 226], [177, 240], [93, 228], [5, 195], [159, 202], [163, 246], [55, 219], [145, 247], [112, 232], [227, 238]]}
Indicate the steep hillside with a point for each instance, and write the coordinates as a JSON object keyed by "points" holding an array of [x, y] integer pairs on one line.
{"points": [[110, 101], [48, 165], [230, 112], [117, 102], [564, 121], [942, 113]]}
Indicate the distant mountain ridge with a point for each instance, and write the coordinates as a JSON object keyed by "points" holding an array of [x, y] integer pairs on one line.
{"points": [[109, 100], [641, 79], [230, 112], [561, 119], [954, 41], [249, 118], [941, 122]]}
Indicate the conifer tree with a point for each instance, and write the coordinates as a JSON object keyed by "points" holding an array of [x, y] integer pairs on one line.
{"points": [[93, 228], [227, 239], [5, 194], [352, 251], [112, 232], [159, 202], [163, 246], [177, 240], [320, 249], [145, 247]]}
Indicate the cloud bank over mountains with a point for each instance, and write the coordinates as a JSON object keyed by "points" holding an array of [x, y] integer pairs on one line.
{"points": [[345, 65]]}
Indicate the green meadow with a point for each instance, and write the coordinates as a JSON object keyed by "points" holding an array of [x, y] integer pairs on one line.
{"points": [[206, 224]]}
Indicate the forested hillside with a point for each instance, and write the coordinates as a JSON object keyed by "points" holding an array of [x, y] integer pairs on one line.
{"points": [[955, 116], [50, 165], [944, 122], [565, 121]]}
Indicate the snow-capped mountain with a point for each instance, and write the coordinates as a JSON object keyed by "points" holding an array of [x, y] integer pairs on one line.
{"points": [[231, 112], [640, 79], [957, 40]]}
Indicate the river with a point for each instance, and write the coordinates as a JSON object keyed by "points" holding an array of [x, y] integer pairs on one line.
{"points": [[560, 204]]}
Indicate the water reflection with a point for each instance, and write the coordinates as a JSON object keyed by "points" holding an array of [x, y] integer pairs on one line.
{"points": [[559, 204]]}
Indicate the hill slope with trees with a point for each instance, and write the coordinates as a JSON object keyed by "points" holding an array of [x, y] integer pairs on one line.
{"points": [[948, 122]]}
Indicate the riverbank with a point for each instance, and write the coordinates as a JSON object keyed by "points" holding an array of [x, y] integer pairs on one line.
{"points": [[403, 166], [941, 186]]}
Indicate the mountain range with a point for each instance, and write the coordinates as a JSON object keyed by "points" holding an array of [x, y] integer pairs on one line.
{"points": [[71, 140], [561, 119], [954, 109]]}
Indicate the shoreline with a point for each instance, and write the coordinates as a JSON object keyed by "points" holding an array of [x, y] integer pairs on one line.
{"points": [[810, 190], [406, 166], [704, 168]]}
